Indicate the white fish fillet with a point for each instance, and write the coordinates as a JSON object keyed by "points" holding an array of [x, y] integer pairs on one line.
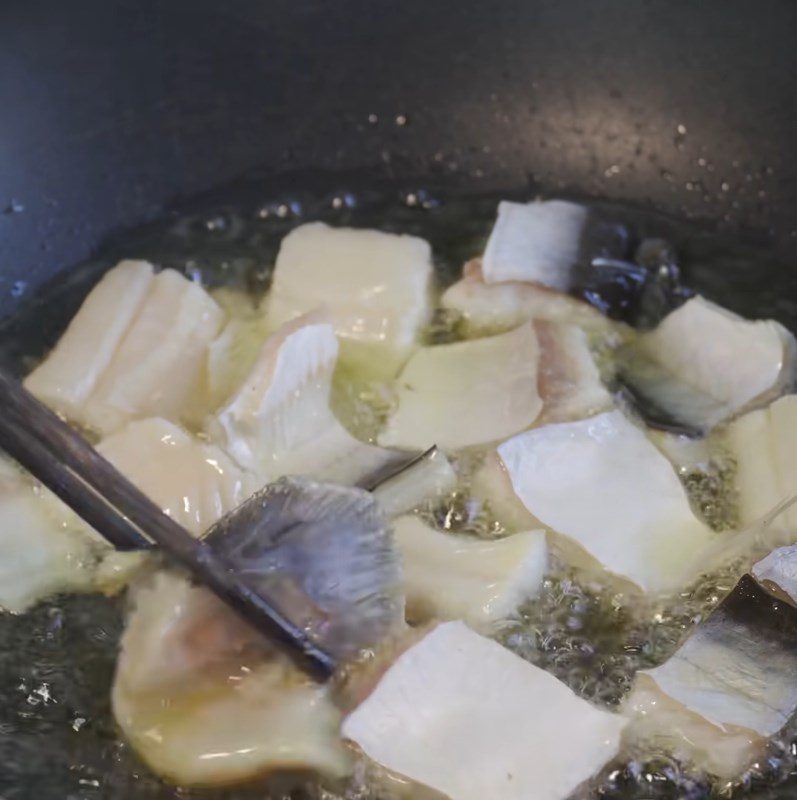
{"points": [[193, 482], [136, 348], [39, 556], [764, 446], [159, 368], [568, 379], [536, 242], [658, 721], [462, 715], [704, 364], [375, 286], [467, 393], [70, 373], [726, 685], [730, 686], [449, 576], [231, 356], [496, 307], [204, 704], [604, 486], [279, 421]]}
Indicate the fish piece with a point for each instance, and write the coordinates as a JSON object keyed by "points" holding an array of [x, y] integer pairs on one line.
{"points": [[231, 356], [467, 393], [193, 482], [763, 444], [611, 495], [69, 375], [489, 308], [432, 476], [375, 286], [450, 576], [159, 368], [39, 556], [204, 701], [730, 686], [703, 364], [279, 421], [568, 379], [536, 242], [440, 710]]}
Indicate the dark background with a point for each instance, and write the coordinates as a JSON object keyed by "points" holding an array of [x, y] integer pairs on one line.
{"points": [[111, 109]]}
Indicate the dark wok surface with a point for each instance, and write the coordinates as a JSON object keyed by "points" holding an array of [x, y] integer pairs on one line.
{"points": [[110, 108]]}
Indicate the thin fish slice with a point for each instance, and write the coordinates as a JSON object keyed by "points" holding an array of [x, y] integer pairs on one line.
{"points": [[375, 286], [568, 379], [703, 364], [279, 421], [463, 716], [489, 308], [67, 377], [159, 368], [39, 556], [467, 393], [612, 496], [195, 483], [204, 701], [763, 444], [538, 242], [231, 357], [450, 576], [729, 687]]}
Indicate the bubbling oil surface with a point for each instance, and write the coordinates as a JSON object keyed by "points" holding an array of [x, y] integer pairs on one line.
{"points": [[57, 737]]}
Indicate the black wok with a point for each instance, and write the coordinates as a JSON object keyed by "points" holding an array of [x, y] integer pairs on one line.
{"points": [[113, 110]]}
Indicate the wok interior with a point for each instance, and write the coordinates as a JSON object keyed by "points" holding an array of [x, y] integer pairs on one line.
{"points": [[59, 660]]}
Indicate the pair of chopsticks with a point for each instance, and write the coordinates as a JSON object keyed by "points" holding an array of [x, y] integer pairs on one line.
{"points": [[70, 467]]}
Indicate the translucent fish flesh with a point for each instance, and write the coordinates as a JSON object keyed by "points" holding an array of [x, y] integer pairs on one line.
{"points": [[604, 487], [195, 483], [730, 686], [440, 710], [536, 242], [137, 348], [763, 444], [70, 373], [704, 364], [39, 556], [449, 576], [496, 307], [375, 286], [202, 701], [568, 378], [159, 368], [467, 393]]}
